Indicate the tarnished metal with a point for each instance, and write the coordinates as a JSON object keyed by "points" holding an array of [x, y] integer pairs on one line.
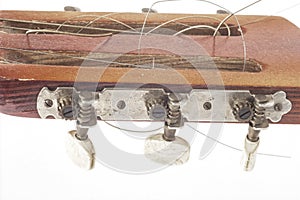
{"points": [[71, 8], [243, 111], [48, 101], [265, 108], [198, 105], [154, 104]]}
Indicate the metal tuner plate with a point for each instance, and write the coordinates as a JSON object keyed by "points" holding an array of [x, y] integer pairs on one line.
{"points": [[155, 104]]}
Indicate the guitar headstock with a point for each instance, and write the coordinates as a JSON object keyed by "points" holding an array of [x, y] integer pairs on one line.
{"points": [[170, 68]]}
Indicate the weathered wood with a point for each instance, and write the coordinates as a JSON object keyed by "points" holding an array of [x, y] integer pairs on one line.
{"points": [[103, 20], [271, 42], [18, 98], [133, 61]]}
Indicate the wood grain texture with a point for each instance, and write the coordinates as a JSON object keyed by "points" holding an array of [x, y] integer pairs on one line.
{"points": [[18, 98], [272, 42], [203, 62]]}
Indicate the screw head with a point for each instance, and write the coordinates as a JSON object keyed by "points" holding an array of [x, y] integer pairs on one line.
{"points": [[48, 103], [278, 107], [207, 106], [243, 111], [68, 112], [121, 104], [157, 112]]}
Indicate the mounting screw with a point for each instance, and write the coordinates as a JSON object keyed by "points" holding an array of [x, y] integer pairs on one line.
{"points": [[48, 103], [243, 111], [67, 112], [65, 108], [207, 106], [278, 107], [157, 112], [121, 104]]}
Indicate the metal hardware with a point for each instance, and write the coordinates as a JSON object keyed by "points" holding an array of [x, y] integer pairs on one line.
{"points": [[48, 101], [243, 111], [65, 105], [148, 104], [174, 109], [71, 8], [167, 148], [86, 118], [207, 105], [266, 107], [86, 112], [173, 119], [222, 12], [148, 10], [279, 106], [156, 104], [256, 124]]}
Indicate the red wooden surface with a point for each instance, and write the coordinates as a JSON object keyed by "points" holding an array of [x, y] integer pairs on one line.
{"points": [[273, 42]]}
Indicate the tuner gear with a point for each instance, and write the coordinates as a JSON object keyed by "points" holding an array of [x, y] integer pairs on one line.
{"points": [[156, 105], [65, 108], [243, 111], [157, 111]]}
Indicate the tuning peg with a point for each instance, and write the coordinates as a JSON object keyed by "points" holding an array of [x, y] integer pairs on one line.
{"points": [[257, 123], [165, 152], [71, 8], [173, 108], [81, 152], [79, 147], [148, 10], [249, 155], [166, 148]]}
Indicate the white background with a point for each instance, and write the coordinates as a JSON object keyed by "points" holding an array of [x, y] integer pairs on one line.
{"points": [[34, 164]]}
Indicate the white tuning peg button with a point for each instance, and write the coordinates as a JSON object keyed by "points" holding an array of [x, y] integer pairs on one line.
{"points": [[167, 152], [249, 154], [81, 152]]}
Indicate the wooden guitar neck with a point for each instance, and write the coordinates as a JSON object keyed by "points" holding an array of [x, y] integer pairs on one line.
{"points": [[170, 68], [173, 51]]}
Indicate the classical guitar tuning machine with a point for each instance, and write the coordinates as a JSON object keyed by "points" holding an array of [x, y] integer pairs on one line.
{"points": [[155, 104], [166, 147], [265, 108], [79, 146]]}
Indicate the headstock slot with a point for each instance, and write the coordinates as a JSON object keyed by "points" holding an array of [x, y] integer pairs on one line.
{"points": [[198, 28]]}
